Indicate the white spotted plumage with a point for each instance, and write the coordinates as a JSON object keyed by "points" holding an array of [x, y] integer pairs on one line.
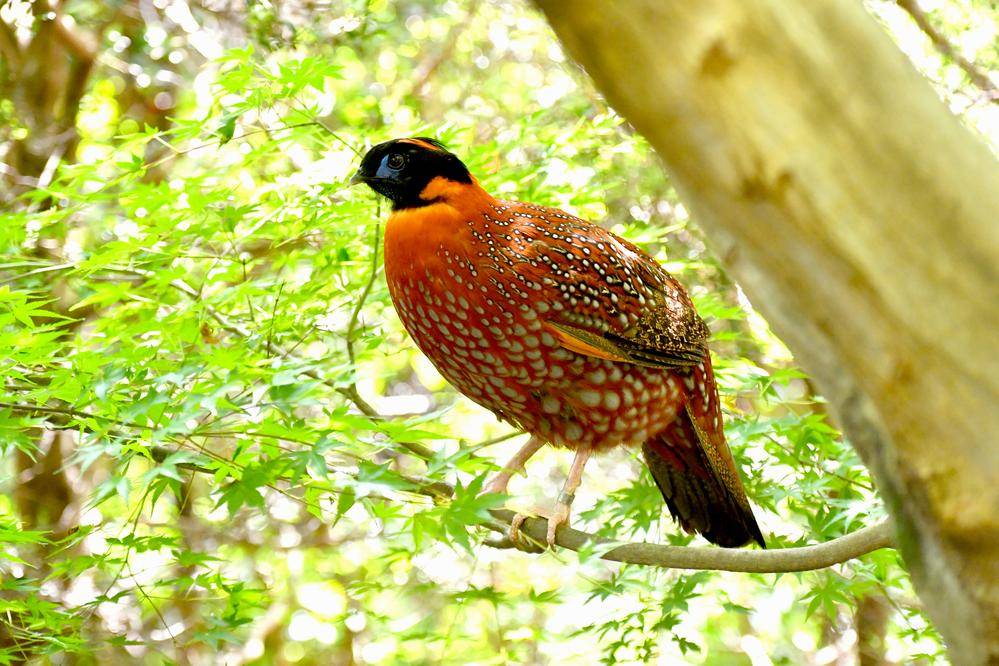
{"points": [[506, 358]]}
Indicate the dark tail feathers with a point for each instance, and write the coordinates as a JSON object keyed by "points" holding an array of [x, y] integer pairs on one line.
{"points": [[696, 496]]}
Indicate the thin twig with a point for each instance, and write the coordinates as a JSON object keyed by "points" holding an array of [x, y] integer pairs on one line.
{"points": [[979, 78], [270, 332], [38, 271], [316, 120], [356, 313], [427, 70], [152, 604], [816, 466], [319, 121], [66, 411]]}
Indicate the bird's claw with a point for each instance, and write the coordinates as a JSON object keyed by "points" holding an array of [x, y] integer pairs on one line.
{"points": [[517, 539], [498, 486], [514, 532], [559, 516], [556, 518]]}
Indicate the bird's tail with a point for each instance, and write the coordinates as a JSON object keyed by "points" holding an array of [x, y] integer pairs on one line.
{"points": [[693, 467]]}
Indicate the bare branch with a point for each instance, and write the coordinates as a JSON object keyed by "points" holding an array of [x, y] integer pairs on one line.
{"points": [[782, 560], [427, 69], [356, 313], [351, 391], [943, 45], [9, 47], [803, 558], [81, 43]]}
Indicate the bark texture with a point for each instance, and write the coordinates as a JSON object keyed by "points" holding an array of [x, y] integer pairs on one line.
{"points": [[861, 218]]}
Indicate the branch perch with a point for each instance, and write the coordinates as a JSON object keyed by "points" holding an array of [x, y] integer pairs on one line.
{"points": [[781, 560]]}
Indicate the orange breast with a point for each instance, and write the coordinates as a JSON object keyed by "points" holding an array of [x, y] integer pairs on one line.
{"points": [[414, 238]]}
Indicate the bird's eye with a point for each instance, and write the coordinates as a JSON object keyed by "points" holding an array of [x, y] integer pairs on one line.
{"points": [[396, 161]]}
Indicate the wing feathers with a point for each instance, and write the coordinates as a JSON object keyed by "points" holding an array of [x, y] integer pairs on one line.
{"points": [[609, 299]]}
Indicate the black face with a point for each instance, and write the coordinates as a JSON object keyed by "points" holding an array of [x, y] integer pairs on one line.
{"points": [[400, 169]]}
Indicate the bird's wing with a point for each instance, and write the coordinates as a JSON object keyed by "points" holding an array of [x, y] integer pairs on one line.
{"points": [[607, 297]]}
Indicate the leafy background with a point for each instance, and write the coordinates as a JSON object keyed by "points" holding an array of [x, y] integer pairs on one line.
{"points": [[218, 444]]}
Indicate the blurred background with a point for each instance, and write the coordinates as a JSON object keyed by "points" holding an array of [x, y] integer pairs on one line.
{"points": [[217, 441]]}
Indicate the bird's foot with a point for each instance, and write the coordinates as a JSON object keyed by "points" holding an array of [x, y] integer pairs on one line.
{"points": [[558, 517], [498, 486], [514, 532], [519, 540]]}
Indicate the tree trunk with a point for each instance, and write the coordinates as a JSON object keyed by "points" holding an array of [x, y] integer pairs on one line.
{"points": [[862, 219]]}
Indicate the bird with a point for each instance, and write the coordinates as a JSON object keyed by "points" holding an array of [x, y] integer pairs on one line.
{"points": [[561, 328]]}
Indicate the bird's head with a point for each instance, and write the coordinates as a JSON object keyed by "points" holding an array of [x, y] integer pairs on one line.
{"points": [[411, 172]]}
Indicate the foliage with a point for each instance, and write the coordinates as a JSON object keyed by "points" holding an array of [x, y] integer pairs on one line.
{"points": [[193, 325]]}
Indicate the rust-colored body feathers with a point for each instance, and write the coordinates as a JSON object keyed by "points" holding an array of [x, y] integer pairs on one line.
{"points": [[571, 333]]}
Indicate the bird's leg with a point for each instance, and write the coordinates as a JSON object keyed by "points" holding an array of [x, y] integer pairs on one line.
{"points": [[499, 482], [560, 514]]}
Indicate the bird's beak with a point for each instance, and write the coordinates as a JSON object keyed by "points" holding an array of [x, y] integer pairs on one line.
{"points": [[355, 179]]}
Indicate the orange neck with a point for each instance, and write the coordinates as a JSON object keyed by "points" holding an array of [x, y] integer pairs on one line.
{"points": [[462, 196], [413, 235]]}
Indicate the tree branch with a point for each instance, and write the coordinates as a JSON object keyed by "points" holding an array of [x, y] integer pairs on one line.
{"points": [[355, 315], [427, 69], [9, 47], [350, 392], [81, 43], [943, 45], [781, 560], [844, 263]]}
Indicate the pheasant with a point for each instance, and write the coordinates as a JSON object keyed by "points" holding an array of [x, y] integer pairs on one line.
{"points": [[561, 328]]}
